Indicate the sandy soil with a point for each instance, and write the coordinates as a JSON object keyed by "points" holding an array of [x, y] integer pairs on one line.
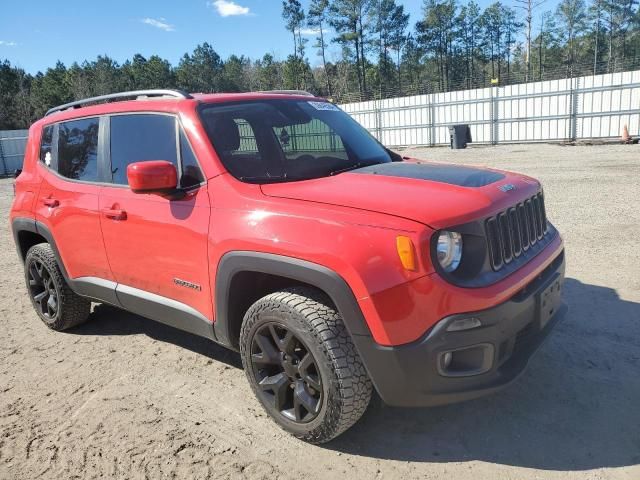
{"points": [[124, 397]]}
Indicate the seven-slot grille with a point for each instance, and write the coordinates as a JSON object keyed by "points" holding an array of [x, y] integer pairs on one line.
{"points": [[512, 232]]}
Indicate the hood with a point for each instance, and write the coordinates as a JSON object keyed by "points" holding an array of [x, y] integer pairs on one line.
{"points": [[437, 195]]}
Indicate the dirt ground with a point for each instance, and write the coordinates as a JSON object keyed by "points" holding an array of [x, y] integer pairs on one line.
{"points": [[124, 397]]}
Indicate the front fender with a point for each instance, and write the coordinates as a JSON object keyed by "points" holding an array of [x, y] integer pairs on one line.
{"points": [[356, 248], [303, 271]]}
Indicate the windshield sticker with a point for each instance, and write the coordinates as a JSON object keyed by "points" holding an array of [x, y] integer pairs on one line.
{"points": [[324, 106]]}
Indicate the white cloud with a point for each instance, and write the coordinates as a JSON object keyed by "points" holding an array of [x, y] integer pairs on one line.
{"points": [[160, 23], [7, 43], [227, 8], [310, 31]]}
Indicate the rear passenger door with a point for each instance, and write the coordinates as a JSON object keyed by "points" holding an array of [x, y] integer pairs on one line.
{"points": [[72, 166], [157, 245]]}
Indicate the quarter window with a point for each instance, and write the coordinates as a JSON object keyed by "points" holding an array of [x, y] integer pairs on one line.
{"points": [[46, 144], [78, 149], [139, 138], [191, 174]]}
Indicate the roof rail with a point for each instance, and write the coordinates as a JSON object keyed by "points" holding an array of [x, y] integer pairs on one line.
{"points": [[289, 92], [137, 94]]}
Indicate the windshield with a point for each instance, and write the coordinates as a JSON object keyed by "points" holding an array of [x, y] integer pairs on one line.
{"points": [[279, 140]]}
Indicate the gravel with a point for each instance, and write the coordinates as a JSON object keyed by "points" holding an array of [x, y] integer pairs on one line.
{"points": [[124, 397]]}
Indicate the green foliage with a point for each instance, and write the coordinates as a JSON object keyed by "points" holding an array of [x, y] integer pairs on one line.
{"points": [[293, 15], [234, 78], [140, 73], [50, 88], [202, 71]]}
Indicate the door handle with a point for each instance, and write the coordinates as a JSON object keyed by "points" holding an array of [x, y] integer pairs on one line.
{"points": [[115, 214], [51, 202]]}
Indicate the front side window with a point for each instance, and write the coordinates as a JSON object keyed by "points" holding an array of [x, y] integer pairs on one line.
{"points": [[283, 140], [78, 149], [139, 138]]}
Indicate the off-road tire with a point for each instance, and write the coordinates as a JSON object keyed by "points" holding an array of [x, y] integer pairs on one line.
{"points": [[72, 309], [311, 316]]}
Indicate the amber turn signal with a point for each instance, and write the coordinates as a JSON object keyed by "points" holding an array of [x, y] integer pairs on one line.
{"points": [[406, 252]]}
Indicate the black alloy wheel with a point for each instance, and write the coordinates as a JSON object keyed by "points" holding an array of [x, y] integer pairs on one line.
{"points": [[286, 372], [59, 307], [43, 289]]}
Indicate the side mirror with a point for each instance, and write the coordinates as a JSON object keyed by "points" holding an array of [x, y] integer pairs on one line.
{"points": [[154, 176]]}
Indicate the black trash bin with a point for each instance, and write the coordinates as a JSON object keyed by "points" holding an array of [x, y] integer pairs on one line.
{"points": [[460, 136]]}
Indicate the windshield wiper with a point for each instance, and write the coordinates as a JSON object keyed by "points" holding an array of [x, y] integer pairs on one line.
{"points": [[273, 178], [346, 169]]}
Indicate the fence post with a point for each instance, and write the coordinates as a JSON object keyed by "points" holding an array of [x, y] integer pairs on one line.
{"points": [[378, 108], [4, 163], [573, 109], [432, 121], [493, 115]]}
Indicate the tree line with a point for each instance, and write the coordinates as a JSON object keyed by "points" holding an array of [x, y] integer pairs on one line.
{"points": [[452, 46]]}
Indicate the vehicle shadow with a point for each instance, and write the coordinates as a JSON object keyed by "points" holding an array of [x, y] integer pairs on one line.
{"points": [[108, 320], [576, 408]]}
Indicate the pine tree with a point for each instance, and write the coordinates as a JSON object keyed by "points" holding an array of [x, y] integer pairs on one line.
{"points": [[293, 14], [318, 18], [571, 16], [348, 18]]}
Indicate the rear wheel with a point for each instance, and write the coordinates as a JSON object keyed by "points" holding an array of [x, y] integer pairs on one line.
{"points": [[55, 303], [302, 364]]}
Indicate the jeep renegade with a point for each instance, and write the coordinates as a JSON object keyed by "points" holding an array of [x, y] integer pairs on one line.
{"points": [[274, 224]]}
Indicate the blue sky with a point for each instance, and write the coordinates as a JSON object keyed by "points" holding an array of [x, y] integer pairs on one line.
{"points": [[35, 35]]}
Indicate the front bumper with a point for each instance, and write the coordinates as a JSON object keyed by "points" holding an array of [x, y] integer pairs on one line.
{"points": [[413, 375]]}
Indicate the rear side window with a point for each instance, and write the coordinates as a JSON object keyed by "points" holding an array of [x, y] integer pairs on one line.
{"points": [[78, 149], [46, 144], [139, 138]]}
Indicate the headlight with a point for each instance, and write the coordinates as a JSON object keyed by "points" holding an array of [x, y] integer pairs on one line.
{"points": [[449, 250]]}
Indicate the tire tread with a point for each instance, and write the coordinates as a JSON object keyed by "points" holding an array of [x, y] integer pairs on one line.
{"points": [[75, 309], [354, 387]]}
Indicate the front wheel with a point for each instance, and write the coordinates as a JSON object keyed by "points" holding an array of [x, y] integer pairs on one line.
{"points": [[302, 364]]}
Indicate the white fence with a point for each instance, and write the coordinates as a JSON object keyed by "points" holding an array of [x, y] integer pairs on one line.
{"points": [[12, 145], [557, 110]]}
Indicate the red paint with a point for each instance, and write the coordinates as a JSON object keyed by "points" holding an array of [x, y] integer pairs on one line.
{"points": [[159, 240], [433, 203], [348, 223], [74, 222], [152, 176]]}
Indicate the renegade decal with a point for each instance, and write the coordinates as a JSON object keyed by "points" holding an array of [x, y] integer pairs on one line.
{"points": [[184, 283]]}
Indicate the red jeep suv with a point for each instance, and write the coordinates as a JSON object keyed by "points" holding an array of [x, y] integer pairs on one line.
{"points": [[274, 224]]}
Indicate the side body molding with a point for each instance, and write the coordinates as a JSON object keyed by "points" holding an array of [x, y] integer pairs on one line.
{"points": [[313, 274], [164, 310]]}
